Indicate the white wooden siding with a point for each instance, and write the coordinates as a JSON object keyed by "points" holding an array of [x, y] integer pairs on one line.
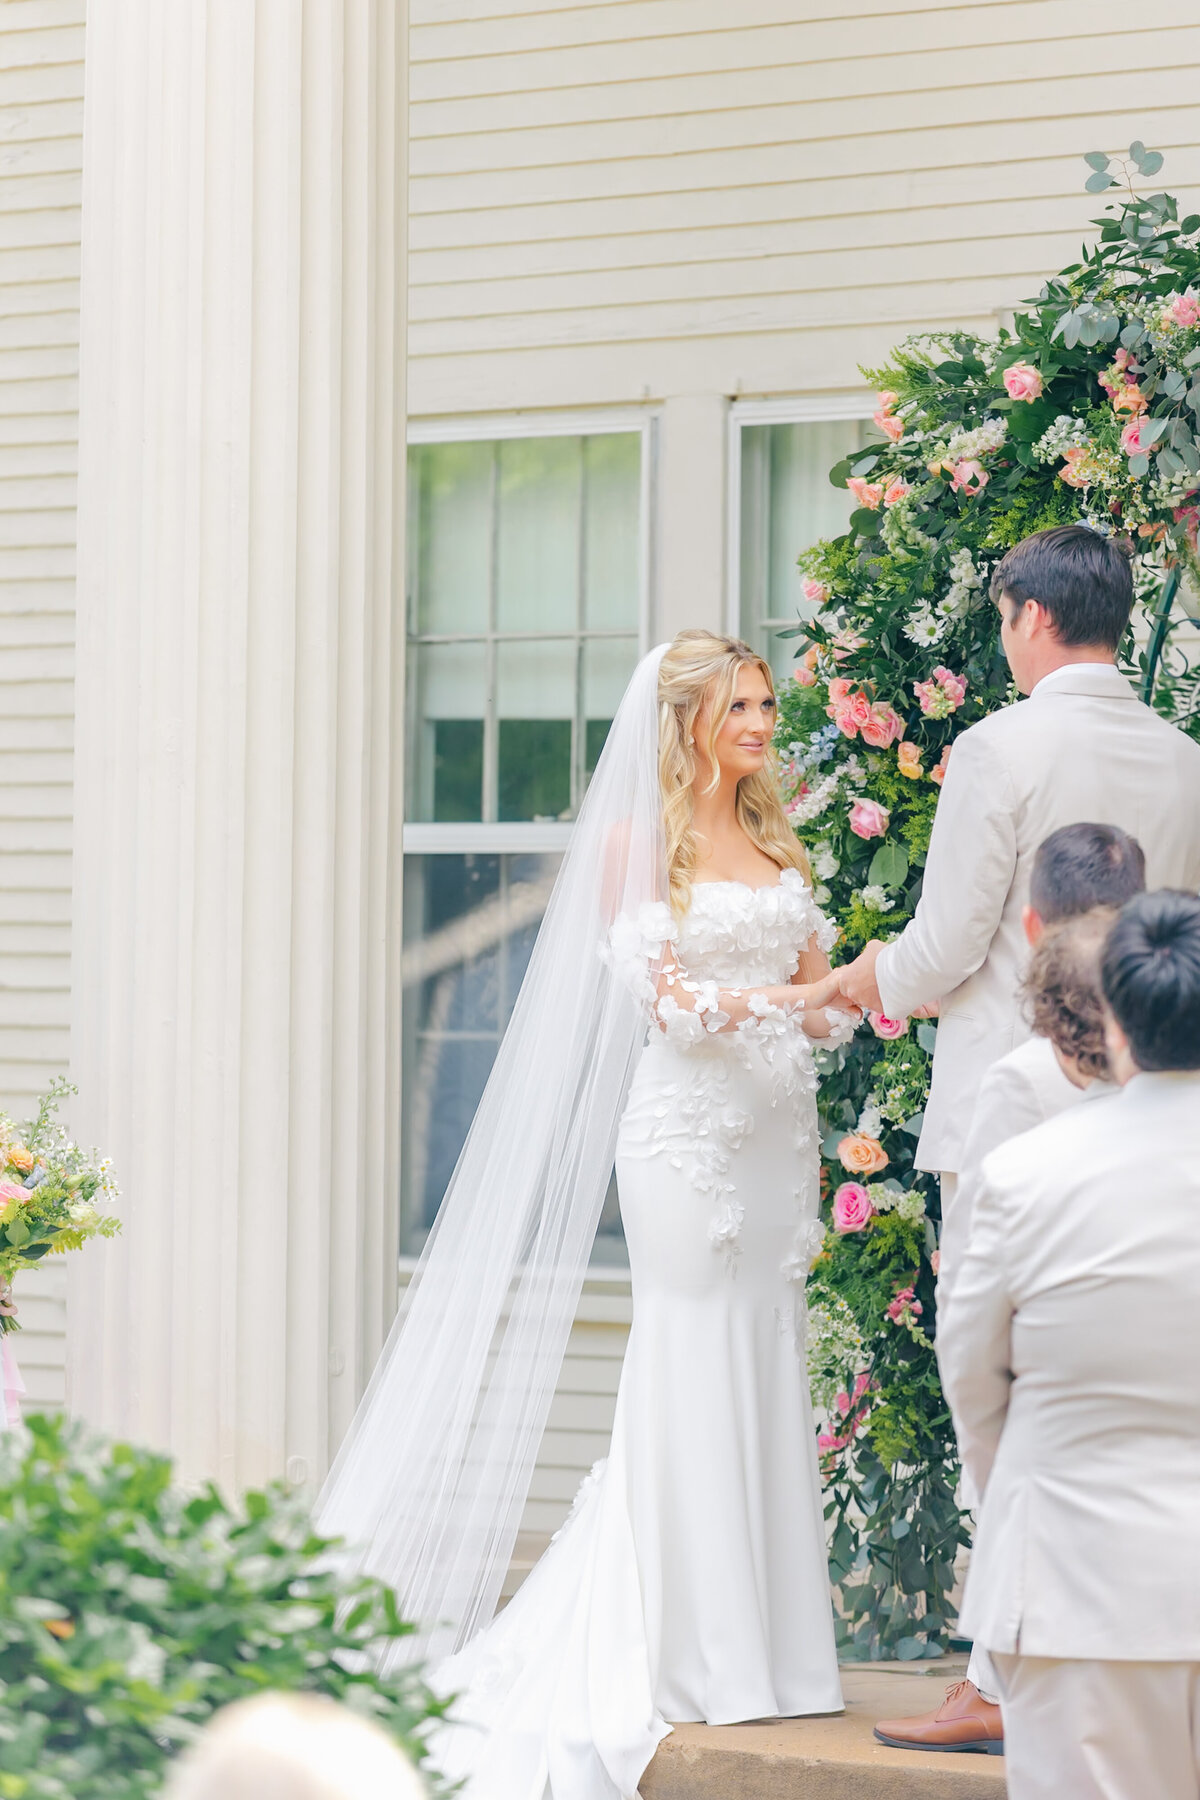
{"points": [[632, 199], [41, 124]]}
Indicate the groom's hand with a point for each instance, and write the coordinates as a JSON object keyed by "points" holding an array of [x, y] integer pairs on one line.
{"points": [[857, 982]]}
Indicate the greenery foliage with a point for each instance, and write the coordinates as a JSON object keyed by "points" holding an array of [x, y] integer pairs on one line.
{"points": [[52, 1194], [1087, 409], [130, 1611]]}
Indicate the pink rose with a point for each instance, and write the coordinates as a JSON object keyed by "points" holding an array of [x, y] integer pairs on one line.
{"points": [[1022, 381], [883, 1027], [867, 493], [815, 592], [839, 690], [852, 1209], [938, 772], [851, 712], [969, 475], [895, 490], [1185, 309], [1131, 439], [12, 1190], [891, 427], [868, 819], [887, 400], [842, 1402]]}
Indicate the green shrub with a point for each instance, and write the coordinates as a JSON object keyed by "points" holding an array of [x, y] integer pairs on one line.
{"points": [[130, 1610]]}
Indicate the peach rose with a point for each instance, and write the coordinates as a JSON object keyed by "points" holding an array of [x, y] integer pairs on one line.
{"points": [[895, 490], [1022, 382], [886, 1028], [1129, 399], [887, 399], [867, 493], [839, 690], [1070, 471], [884, 727], [852, 1210], [861, 1154], [815, 592], [908, 761], [891, 427], [806, 668], [969, 475], [18, 1157], [938, 772]]}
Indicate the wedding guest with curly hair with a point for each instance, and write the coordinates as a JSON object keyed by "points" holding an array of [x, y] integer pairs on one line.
{"points": [[1064, 999]]}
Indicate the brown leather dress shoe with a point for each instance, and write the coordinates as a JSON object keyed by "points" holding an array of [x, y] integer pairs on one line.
{"points": [[964, 1721]]}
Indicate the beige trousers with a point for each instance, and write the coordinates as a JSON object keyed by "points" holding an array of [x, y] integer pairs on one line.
{"points": [[1076, 1730]]}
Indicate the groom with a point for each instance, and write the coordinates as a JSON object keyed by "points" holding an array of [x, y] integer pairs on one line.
{"points": [[1082, 746]]}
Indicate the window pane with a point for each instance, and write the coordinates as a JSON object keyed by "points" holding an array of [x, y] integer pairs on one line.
{"points": [[535, 703], [445, 764], [612, 508], [537, 547], [607, 665], [469, 927], [450, 488], [787, 504]]}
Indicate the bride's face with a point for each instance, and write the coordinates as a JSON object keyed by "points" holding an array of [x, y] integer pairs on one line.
{"points": [[745, 737]]}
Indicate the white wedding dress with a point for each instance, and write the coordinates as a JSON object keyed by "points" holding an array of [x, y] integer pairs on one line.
{"points": [[690, 1581]]}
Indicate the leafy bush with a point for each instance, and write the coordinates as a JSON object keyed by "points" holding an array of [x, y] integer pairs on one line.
{"points": [[130, 1611], [1088, 409]]}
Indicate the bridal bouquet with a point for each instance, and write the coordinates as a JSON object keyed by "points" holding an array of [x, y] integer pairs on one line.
{"points": [[53, 1195]]}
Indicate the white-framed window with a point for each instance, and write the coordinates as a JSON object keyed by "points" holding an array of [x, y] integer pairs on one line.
{"points": [[527, 608], [781, 502]]}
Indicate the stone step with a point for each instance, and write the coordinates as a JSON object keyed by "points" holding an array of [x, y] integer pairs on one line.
{"points": [[827, 1758]]}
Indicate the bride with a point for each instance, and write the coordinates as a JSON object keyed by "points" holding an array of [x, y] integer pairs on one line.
{"points": [[662, 1024]]}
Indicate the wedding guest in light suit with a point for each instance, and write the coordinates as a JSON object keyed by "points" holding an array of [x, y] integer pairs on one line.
{"points": [[1069, 1352]]}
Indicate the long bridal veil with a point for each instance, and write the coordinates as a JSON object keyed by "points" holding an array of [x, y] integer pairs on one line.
{"points": [[429, 1486]]}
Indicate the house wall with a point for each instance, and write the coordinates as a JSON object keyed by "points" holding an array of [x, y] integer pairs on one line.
{"points": [[41, 127]]}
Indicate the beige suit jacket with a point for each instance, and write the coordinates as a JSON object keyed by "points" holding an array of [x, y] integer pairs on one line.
{"points": [[1023, 1089], [1069, 1353], [1082, 747]]}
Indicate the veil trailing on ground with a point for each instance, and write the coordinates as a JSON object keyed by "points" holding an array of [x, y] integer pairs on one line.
{"points": [[429, 1486]]}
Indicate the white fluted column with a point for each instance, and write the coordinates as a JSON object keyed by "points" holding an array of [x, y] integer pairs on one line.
{"points": [[236, 913]]}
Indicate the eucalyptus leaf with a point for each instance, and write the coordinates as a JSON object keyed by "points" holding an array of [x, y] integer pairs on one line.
{"points": [[1096, 184], [1190, 225], [1151, 163], [1096, 159], [1151, 431], [889, 867], [927, 1035], [1139, 466], [1137, 150]]}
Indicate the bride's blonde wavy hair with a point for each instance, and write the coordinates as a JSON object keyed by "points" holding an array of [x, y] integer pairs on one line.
{"points": [[696, 667]]}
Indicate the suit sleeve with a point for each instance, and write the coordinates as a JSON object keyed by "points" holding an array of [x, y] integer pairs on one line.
{"points": [[974, 1342], [968, 872]]}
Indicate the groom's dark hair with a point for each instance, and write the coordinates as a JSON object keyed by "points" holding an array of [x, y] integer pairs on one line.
{"points": [[1083, 580], [1151, 976], [1081, 866]]}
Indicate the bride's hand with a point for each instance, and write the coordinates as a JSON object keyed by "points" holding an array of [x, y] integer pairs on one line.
{"points": [[827, 992]]}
